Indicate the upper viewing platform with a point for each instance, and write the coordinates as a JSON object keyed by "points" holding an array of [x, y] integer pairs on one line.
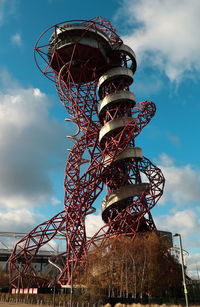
{"points": [[83, 49]]}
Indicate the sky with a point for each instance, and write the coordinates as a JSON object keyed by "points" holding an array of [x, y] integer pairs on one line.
{"points": [[33, 146]]}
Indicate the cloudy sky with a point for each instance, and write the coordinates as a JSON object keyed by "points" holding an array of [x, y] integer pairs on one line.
{"points": [[164, 34]]}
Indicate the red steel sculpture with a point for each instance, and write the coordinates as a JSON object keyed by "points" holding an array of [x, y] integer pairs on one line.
{"points": [[93, 70]]}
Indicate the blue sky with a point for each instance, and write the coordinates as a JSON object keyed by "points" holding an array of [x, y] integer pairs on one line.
{"points": [[164, 35]]}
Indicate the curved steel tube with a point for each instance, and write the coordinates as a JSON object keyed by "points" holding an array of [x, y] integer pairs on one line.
{"points": [[93, 60]]}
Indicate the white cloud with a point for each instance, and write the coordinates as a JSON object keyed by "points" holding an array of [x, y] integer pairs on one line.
{"points": [[182, 183], [148, 85], [182, 189], [2, 3], [55, 201], [31, 147], [16, 39], [93, 223], [164, 33], [7, 7], [174, 139], [18, 220], [185, 222], [194, 265]]}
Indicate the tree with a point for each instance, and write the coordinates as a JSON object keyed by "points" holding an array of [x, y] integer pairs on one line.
{"points": [[4, 279], [132, 266]]}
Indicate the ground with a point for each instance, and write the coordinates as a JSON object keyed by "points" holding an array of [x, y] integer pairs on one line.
{"points": [[5, 304]]}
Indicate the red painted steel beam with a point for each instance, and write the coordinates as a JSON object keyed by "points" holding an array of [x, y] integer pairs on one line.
{"points": [[93, 70]]}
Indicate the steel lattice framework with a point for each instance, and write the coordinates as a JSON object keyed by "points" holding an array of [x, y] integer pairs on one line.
{"points": [[92, 70]]}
